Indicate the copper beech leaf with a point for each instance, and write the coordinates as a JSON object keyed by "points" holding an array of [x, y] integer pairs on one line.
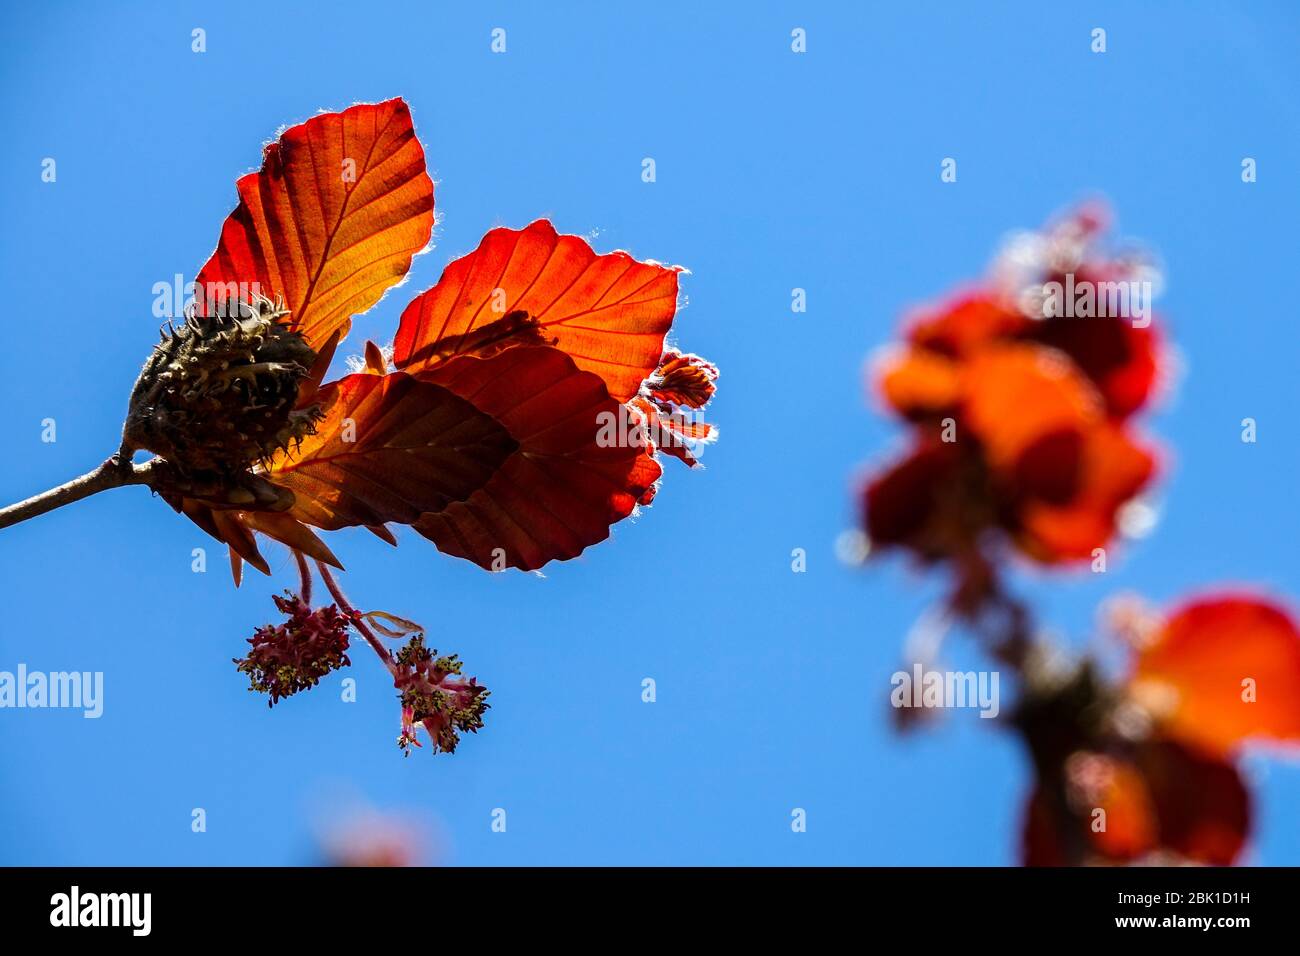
{"points": [[390, 448], [331, 221], [1113, 469], [1222, 670], [564, 486], [685, 380], [610, 312], [1161, 796], [1018, 396]]}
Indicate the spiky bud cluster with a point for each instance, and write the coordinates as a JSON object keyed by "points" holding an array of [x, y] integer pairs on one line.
{"points": [[219, 394], [432, 693], [293, 656]]}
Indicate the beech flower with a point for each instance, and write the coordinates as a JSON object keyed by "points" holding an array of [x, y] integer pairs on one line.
{"points": [[286, 658], [433, 693]]}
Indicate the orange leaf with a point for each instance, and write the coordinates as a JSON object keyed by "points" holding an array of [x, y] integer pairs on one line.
{"points": [[1160, 797], [1201, 802], [672, 432], [226, 526], [389, 449], [331, 221], [236, 534], [918, 382], [1017, 396], [682, 379], [1121, 358], [965, 323], [610, 313], [515, 328], [1222, 670], [914, 501], [1112, 469], [288, 531], [564, 487], [375, 362], [1131, 825], [1118, 789]]}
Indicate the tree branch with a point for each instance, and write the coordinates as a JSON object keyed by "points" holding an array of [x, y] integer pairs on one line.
{"points": [[115, 472]]}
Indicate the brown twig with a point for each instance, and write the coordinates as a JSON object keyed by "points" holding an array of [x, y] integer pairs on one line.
{"points": [[115, 472]]}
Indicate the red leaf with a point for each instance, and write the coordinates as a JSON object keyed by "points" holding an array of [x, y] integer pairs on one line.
{"points": [[1201, 803], [1131, 827], [1119, 357], [610, 313], [390, 448], [965, 323], [562, 489], [919, 383], [1112, 470], [1016, 396], [1162, 796], [516, 328], [1193, 674], [916, 501], [331, 221], [681, 379]]}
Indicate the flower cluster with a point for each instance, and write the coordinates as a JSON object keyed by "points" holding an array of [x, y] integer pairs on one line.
{"points": [[1020, 407], [293, 656], [434, 694]]}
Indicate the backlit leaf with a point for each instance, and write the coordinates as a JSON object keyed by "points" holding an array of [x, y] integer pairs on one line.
{"points": [[341, 204], [390, 448], [563, 487], [610, 312], [1222, 670]]}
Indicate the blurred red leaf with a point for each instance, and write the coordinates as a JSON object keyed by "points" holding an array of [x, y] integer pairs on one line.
{"points": [[1163, 797], [918, 501], [1112, 470], [1222, 670], [1016, 396], [1201, 802], [1119, 357], [918, 383], [965, 322]]}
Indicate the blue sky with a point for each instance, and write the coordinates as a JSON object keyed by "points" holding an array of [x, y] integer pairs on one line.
{"points": [[774, 171]]}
